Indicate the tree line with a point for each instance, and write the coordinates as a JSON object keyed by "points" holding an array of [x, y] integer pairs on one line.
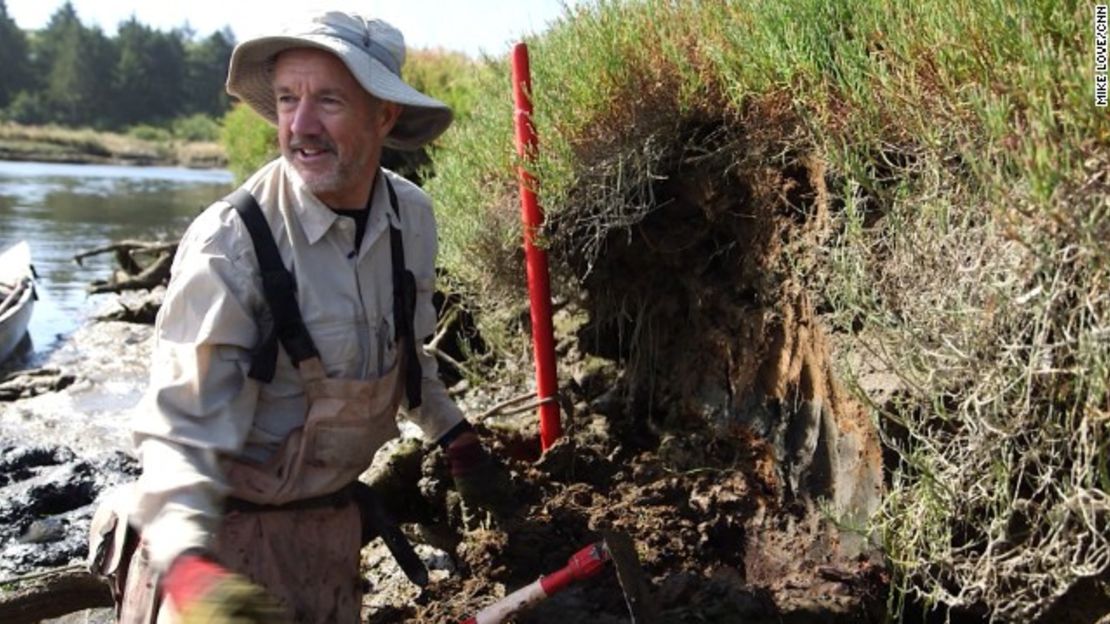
{"points": [[73, 75]]}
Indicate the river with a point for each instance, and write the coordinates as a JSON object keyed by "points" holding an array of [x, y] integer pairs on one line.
{"points": [[61, 210]]}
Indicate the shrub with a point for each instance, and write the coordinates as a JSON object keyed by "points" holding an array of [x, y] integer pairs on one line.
{"points": [[146, 132], [27, 108], [197, 127], [248, 139], [450, 77]]}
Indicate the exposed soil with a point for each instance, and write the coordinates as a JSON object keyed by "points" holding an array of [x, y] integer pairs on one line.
{"points": [[63, 440], [714, 543]]}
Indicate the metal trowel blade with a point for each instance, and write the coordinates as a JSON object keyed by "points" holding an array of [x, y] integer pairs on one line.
{"points": [[630, 574]]}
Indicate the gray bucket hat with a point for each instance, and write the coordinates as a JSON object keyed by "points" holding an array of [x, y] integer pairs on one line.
{"points": [[372, 50]]}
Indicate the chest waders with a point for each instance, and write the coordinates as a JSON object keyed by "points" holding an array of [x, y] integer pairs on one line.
{"points": [[290, 523]]}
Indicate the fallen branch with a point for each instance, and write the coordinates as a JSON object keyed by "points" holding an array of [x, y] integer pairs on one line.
{"points": [[155, 275], [503, 408], [50, 594], [133, 275], [462, 368], [444, 326], [126, 251]]}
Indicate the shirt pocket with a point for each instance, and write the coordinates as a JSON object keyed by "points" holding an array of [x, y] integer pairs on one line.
{"points": [[338, 342], [383, 348]]}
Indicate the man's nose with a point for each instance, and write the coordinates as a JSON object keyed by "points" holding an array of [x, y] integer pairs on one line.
{"points": [[306, 121]]}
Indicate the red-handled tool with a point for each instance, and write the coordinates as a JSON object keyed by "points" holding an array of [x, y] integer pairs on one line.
{"points": [[582, 565]]}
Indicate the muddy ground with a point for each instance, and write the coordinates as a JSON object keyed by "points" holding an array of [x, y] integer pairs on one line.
{"points": [[64, 441], [713, 545]]}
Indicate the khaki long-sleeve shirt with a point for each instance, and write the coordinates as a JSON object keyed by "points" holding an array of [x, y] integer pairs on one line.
{"points": [[201, 405]]}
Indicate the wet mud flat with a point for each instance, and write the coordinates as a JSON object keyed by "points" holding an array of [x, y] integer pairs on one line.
{"points": [[47, 496], [60, 448], [105, 368], [63, 441]]}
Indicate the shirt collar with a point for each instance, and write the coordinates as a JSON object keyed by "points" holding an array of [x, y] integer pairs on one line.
{"points": [[316, 218]]}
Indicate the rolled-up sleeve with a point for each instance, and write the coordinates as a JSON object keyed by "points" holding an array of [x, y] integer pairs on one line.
{"points": [[200, 404], [438, 412]]}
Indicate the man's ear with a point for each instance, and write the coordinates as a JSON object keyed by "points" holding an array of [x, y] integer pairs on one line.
{"points": [[390, 112]]}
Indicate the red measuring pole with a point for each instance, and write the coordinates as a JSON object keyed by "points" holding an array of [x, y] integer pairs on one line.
{"points": [[539, 285]]}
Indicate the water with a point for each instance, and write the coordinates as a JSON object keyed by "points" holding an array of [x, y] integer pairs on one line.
{"points": [[62, 210]]}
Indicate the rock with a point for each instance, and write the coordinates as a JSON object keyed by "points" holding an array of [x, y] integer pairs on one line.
{"points": [[134, 306], [45, 530]]}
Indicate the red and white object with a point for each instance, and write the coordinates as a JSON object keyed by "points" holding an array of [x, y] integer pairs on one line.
{"points": [[535, 257], [582, 565]]}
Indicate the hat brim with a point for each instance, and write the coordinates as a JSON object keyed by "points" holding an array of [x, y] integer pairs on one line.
{"points": [[249, 78]]}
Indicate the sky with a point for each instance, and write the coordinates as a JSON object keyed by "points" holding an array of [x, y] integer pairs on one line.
{"points": [[471, 26]]}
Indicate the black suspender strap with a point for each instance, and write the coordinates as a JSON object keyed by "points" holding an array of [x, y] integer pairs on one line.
{"points": [[279, 290], [404, 305]]}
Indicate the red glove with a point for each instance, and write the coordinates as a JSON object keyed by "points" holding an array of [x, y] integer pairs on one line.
{"points": [[191, 575], [482, 484], [202, 590], [466, 455]]}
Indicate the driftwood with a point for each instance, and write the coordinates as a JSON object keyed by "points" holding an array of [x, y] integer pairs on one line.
{"points": [[31, 383], [29, 599], [133, 273]]}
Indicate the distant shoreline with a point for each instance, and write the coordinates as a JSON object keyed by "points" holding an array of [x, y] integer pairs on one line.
{"points": [[56, 144]]}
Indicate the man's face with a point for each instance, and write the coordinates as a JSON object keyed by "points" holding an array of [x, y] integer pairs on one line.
{"points": [[329, 128]]}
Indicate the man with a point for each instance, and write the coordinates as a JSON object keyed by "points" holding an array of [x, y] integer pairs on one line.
{"points": [[271, 389]]}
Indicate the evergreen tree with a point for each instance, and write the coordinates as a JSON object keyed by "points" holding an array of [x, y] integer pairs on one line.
{"points": [[69, 74], [134, 71], [206, 68], [149, 74], [79, 60], [14, 58], [168, 55], [46, 43]]}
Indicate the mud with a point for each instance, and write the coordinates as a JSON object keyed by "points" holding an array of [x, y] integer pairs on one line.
{"points": [[714, 543], [46, 503], [705, 511], [105, 367], [59, 448]]}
